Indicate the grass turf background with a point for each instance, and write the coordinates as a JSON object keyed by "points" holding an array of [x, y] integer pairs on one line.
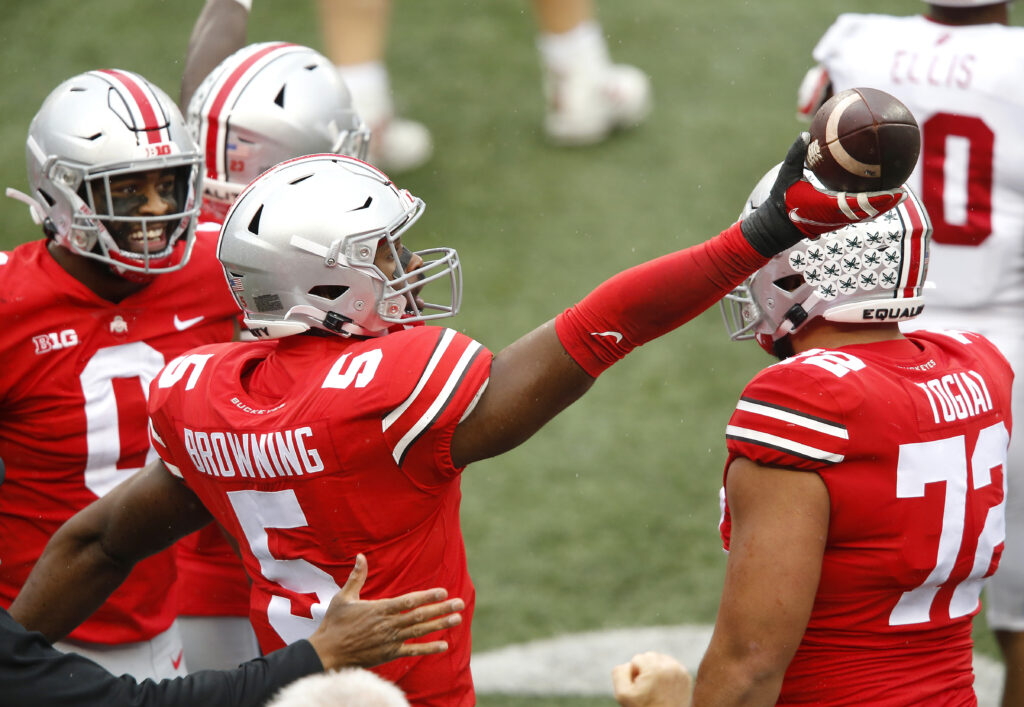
{"points": [[608, 517]]}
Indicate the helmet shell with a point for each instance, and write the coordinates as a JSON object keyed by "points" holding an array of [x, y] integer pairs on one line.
{"points": [[101, 125], [265, 104], [298, 249], [863, 273]]}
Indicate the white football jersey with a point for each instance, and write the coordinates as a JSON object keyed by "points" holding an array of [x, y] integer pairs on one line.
{"points": [[965, 86]]}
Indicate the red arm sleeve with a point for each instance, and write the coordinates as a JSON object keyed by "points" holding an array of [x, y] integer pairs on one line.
{"points": [[652, 299]]}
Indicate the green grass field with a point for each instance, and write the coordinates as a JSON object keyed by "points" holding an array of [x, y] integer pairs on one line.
{"points": [[608, 517]]}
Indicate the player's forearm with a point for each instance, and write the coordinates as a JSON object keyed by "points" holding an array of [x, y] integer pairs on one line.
{"points": [[652, 299], [71, 560], [548, 369], [724, 681], [219, 31]]}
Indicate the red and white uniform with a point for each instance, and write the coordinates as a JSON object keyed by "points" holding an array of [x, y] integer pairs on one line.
{"points": [[309, 450], [77, 370], [962, 83], [212, 579], [910, 438]]}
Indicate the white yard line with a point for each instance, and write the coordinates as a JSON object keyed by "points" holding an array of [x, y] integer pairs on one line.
{"points": [[581, 663]]}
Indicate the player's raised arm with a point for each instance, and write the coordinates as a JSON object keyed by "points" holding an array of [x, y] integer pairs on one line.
{"points": [[219, 30], [543, 372]]}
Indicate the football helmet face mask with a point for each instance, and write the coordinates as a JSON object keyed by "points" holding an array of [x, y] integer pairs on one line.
{"points": [[95, 139], [299, 244], [864, 273], [265, 104]]}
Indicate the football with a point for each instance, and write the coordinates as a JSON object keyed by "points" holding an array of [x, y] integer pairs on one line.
{"points": [[863, 139]]}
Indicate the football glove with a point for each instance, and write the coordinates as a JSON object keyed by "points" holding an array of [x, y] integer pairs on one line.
{"points": [[797, 209]]}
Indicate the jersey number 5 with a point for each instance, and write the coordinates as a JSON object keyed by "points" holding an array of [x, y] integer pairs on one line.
{"points": [[945, 461], [257, 511]]}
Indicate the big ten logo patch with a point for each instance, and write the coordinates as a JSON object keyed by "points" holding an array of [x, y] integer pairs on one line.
{"points": [[158, 150], [55, 341]]}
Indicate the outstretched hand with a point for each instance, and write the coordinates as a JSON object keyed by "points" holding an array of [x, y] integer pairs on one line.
{"points": [[365, 633], [797, 209], [652, 680]]}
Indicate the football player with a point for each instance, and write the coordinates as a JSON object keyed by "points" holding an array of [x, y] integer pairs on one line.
{"points": [[119, 286], [261, 105], [348, 428], [864, 490], [958, 67]]}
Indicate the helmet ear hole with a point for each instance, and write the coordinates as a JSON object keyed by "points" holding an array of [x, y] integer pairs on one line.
{"points": [[789, 283], [329, 292], [50, 201]]}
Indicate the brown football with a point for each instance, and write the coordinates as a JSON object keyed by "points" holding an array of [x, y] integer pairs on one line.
{"points": [[863, 139]]}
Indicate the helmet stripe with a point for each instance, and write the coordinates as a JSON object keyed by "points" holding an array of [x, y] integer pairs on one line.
{"points": [[914, 241], [216, 138], [144, 105]]}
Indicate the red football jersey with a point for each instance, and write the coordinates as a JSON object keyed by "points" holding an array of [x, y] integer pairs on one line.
{"points": [[309, 450], [211, 579], [77, 370], [910, 438]]}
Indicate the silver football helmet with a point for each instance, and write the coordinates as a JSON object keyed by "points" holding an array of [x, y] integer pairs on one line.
{"points": [[867, 272], [299, 248], [97, 128], [265, 104]]}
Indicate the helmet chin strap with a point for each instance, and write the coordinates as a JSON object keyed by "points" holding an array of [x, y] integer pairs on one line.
{"points": [[302, 318]]}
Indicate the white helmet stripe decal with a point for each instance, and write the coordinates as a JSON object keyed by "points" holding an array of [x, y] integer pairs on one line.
{"points": [[913, 266], [865, 205], [214, 142], [144, 106], [844, 205]]}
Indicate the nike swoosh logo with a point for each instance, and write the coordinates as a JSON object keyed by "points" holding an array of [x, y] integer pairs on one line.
{"points": [[176, 662], [183, 324], [617, 335]]}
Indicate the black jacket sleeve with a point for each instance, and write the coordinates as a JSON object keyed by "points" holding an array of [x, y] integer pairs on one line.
{"points": [[32, 672]]}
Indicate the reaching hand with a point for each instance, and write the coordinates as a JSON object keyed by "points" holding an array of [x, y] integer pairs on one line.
{"points": [[796, 209], [652, 680], [362, 633]]}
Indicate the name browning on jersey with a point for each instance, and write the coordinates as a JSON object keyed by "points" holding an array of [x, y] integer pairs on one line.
{"points": [[264, 455], [959, 396]]}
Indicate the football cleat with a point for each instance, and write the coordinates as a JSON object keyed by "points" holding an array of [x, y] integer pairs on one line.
{"points": [[400, 145], [586, 104]]}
